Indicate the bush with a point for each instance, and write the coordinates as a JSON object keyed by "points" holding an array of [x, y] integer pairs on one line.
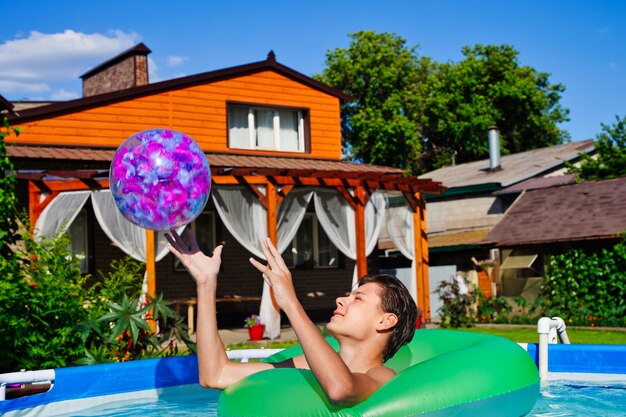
{"points": [[587, 288], [457, 309], [42, 298]]}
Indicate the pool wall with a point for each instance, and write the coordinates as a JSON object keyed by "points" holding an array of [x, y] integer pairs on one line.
{"points": [[582, 358], [108, 379]]}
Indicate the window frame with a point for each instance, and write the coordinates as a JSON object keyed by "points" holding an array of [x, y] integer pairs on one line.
{"points": [[316, 247], [303, 127], [84, 216]]}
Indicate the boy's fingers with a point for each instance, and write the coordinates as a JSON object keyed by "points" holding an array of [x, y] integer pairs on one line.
{"points": [[268, 255], [258, 265], [192, 240], [218, 251], [280, 262], [175, 251]]}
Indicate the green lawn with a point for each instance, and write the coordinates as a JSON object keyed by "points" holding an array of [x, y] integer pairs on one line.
{"points": [[583, 336], [517, 334]]}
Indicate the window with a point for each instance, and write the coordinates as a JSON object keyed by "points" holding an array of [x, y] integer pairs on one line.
{"points": [[203, 228], [79, 244], [264, 128], [311, 247]]}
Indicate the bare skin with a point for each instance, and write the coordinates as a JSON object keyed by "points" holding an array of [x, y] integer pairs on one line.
{"points": [[359, 324]]}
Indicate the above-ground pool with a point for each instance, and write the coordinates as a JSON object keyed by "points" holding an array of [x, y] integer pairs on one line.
{"points": [[584, 380]]}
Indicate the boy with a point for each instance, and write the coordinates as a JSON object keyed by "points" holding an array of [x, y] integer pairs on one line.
{"points": [[370, 324]]}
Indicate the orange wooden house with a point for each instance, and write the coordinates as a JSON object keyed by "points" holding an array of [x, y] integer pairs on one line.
{"points": [[267, 130]]}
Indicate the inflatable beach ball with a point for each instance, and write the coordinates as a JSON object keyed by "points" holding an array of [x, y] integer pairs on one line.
{"points": [[160, 179]]}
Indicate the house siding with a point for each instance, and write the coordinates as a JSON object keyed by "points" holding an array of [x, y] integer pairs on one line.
{"points": [[198, 111]]}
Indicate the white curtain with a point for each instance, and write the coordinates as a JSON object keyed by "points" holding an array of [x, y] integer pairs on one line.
{"points": [[60, 213], [337, 219], [399, 223], [130, 238], [246, 219]]}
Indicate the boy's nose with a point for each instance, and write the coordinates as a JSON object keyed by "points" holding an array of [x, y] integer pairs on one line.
{"points": [[341, 301]]}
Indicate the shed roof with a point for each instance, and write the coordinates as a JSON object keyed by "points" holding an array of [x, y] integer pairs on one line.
{"points": [[515, 167], [225, 164], [591, 210]]}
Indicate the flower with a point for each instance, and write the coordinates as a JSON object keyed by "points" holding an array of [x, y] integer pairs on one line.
{"points": [[252, 320]]}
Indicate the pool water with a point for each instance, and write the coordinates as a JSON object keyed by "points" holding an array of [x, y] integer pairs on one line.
{"points": [[558, 398], [567, 398]]}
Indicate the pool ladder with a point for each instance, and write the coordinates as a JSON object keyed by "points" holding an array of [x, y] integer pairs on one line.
{"points": [[549, 329]]}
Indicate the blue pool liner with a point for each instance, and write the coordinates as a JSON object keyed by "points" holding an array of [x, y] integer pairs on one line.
{"points": [[107, 379]]}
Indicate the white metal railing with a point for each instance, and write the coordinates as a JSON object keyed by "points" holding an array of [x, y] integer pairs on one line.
{"points": [[549, 329]]}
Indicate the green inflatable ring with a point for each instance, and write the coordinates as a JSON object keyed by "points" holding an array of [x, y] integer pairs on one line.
{"points": [[440, 373]]}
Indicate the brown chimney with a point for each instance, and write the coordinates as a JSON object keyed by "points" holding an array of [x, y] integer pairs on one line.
{"points": [[126, 70]]}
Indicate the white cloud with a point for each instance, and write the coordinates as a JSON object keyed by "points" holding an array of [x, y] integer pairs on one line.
{"points": [[176, 60], [153, 75], [32, 63], [63, 95], [10, 86]]}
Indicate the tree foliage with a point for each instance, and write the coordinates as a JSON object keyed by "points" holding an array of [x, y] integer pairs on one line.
{"points": [[488, 87], [610, 161], [382, 75], [411, 112], [8, 199]]}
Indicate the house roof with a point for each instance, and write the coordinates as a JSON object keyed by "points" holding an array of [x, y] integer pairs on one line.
{"points": [[537, 183], [6, 105], [222, 164], [455, 239], [270, 64], [515, 167], [591, 210]]}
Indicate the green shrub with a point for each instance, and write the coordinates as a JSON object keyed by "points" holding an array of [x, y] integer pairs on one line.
{"points": [[457, 309], [124, 333], [42, 298], [587, 288]]}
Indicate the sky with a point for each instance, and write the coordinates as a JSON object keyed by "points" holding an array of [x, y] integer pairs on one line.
{"points": [[45, 45]]}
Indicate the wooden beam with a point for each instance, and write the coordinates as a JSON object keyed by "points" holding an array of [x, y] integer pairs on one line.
{"points": [[151, 272]]}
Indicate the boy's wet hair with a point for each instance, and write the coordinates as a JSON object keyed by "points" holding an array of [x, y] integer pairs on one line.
{"points": [[396, 299]]}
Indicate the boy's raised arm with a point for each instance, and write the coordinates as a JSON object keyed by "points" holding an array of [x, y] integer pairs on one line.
{"points": [[340, 384], [215, 369]]}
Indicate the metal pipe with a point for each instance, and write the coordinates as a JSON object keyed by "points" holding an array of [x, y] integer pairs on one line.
{"points": [[548, 329], [25, 377], [494, 148]]}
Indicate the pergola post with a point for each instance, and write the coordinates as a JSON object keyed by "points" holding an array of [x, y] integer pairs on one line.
{"points": [[272, 218], [359, 220], [151, 272], [421, 256]]}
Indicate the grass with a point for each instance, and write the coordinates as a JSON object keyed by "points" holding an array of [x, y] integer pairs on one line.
{"points": [[521, 334], [576, 335]]}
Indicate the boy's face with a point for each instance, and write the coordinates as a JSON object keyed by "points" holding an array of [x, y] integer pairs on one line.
{"points": [[358, 314]]}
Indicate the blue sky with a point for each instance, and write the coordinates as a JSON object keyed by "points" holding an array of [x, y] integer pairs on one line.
{"points": [[45, 45]]}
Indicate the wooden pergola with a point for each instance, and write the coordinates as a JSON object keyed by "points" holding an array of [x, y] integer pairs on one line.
{"points": [[278, 176]]}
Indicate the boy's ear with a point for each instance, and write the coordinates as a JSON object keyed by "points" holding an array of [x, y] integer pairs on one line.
{"points": [[387, 321]]}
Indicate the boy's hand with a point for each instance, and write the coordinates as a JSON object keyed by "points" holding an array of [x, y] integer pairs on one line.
{"points": [[203, 269], [277, 275]]}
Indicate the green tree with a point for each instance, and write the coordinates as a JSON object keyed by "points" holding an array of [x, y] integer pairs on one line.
{"points": [[413, 113], [8, 214], [383, 76], [610, 161], [488, 87]]}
